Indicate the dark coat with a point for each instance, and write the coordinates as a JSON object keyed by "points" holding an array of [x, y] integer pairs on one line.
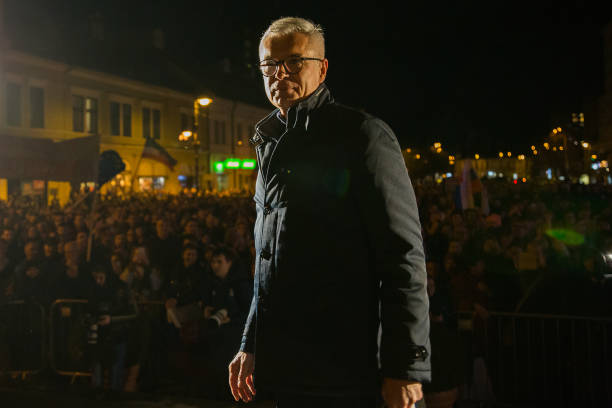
{"points": [[337, 234]]}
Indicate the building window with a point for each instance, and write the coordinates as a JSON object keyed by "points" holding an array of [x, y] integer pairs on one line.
{"points": [[13, 104], [156, 124], [37, 107], [84, 114], [146, 123], [127, 119], [120, 114], [219, 132], [151, 121], [115, 118]]}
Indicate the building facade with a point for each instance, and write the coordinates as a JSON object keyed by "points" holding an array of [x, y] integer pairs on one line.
{"points": [[44, 99]]}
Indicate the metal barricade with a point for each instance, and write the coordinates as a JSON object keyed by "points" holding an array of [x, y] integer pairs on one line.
{"points": [[69, 353], [544, 359], [22, 338]]}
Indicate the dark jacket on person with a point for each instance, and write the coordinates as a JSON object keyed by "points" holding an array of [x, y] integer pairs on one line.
{"points": [[233, 293], [187, 284], [113, 299], [337, 234]]}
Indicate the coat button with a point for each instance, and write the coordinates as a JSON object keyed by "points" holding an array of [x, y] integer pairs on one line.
{"points": [[267, 210], [265, 255]]}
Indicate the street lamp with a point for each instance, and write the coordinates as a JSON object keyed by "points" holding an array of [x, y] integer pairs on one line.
{"points": [[191, 136]]}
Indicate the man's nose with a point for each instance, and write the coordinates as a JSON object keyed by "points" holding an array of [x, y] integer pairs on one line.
{"points": [[281, 71]]}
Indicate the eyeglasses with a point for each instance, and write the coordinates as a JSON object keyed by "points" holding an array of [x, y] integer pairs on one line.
{"points": [[293, 65]]}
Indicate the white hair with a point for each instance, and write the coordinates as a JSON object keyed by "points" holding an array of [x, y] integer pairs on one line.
{"points": [[290, 25]]}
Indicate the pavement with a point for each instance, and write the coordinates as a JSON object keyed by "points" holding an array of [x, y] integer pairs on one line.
{"points": [[80, 395]]}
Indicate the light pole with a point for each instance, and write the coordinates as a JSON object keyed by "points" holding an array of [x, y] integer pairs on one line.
{"points": [[192, 135]]}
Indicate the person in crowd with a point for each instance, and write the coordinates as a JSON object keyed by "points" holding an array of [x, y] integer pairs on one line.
{"points": [[7, 276], [448, 362], [75, 282], [143, 281], [112, 309], [226, 306], [165, 248], [32, 279]]}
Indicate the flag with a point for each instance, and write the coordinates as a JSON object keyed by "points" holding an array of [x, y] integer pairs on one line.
{"points": [[152, 150], [109, 165], [471, 192]]}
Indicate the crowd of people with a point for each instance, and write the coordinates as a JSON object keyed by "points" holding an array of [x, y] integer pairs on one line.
{"points": [[171, 275]]}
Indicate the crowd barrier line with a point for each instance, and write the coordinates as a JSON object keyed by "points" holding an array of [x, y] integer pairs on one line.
{"points": [[558, 347], [25, 372]]}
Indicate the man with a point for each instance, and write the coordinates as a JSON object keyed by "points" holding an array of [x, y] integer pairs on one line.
{"points": [[337, 234]]}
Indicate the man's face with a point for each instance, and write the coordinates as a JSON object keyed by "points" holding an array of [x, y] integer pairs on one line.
{"points": [[7, 235], [99, 278], [162, 228], [31, 251], [220, 266], [283, 89], [190, 256]]}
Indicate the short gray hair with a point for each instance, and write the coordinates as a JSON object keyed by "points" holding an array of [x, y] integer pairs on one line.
{"points": [[290, 25]]}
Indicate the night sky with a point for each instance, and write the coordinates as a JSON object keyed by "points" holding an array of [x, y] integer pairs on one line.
{"points": [[476, 76]]}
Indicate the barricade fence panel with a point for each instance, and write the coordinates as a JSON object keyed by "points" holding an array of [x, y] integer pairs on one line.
{"points": [[22, 337], [528, 359], [70, 324], [73, 334], [542, 359]]}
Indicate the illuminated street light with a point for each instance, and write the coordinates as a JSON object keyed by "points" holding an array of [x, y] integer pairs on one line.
{"points": [[417, 156], [594, 157], [191, 136], [555, 131], [509, 154], [532, 147], [438, 150], [501, 154], [521, 157], [408, 150], [561, 148], [437, 145], [477, 156], [546, 145], [204, 101], [559, 129], [535, 152], [554, 148], [585, 145], [185, 135]]}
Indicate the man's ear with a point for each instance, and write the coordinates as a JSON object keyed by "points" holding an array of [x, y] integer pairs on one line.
{"points": [[323, 71]]}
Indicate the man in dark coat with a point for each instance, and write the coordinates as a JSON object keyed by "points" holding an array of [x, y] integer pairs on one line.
{"points": [[338, 242]]}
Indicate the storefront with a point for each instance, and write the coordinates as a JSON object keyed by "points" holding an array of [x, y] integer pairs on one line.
{"points": [[46, 169]]}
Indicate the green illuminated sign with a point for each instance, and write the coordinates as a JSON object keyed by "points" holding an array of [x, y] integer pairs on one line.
{"points": [[246, 164]]}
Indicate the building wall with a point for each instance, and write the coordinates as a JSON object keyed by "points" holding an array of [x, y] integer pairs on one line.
{"points": [[60, 82]]}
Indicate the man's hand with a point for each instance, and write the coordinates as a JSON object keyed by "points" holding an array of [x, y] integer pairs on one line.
{"points": [[241, 376], [401, 393]]}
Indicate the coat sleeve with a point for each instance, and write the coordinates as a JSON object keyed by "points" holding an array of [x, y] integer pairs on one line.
{"points": [[389, 209], [248, 336]]}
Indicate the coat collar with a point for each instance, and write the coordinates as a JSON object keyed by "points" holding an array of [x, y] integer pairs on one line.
{"points": [[298, 116]]}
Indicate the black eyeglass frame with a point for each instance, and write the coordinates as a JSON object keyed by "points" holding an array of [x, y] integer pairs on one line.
{"points": [[277, 64]]}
